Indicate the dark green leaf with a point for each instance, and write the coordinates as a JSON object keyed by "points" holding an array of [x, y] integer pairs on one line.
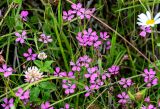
{"points": [[34, 93], [48, 85]]}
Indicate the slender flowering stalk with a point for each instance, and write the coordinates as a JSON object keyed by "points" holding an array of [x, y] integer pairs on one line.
{"points": [[6, 70]]}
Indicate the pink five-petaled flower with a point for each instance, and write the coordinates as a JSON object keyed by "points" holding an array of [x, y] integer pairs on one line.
{"points": [[123, 98], [45, 39], [67, 106], [105, 75], [104, 35], [150, 106], [87, 37], [23, 95], [24, 15], [125, 82], [147, 99], [95, 84], [30, 56], [46, 105], [21, 37], [68, 86], [114, 70], [144, 31], [86, 13], [8, 103], [92, 73], [58, 73], [149, 77], [6, 70], [89, 91], [68, 16], [77, 8]]}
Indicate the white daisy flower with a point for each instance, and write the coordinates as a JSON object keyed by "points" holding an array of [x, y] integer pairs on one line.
{"points": [[147, 20], [33, 74], [42, 56]]}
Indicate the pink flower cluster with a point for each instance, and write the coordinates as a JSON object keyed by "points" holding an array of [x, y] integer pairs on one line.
{"points": [[68, 85], [79, 11], [149, 77], [90, 38], [81, 62], [95, 80], [114, 70]]}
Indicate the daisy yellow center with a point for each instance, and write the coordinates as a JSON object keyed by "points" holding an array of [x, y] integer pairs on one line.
{"points": [[150, 22]]}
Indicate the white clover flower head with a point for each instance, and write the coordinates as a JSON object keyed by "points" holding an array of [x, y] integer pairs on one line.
{"points": [[147, 20], [33, 74], [42, 56]]}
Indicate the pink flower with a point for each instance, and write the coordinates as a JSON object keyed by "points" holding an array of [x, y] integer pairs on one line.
{"points": [[67, 106], [104, 35], [150, 106], [105, 75], [8, 103], [21, 37], [81, 62], [68, 86], [22, 94], [46, 105], [123, 98], [147, 99], [144, 31], [30, 56], [89, 91], [76, 8], [95, 84], [108, 45], [45, 39], [6, 70], [24, 15], [125, 82], [68, 15], [114, 70], [149, 77], [87, 38]]}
